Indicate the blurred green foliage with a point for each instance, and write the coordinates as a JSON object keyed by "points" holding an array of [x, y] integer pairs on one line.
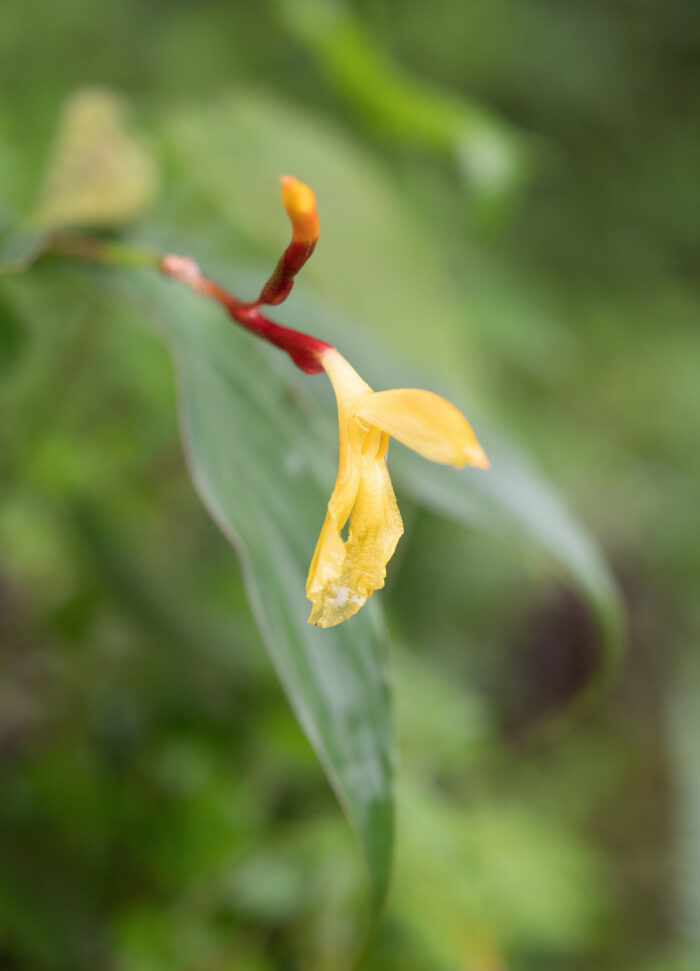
{"points": [[160, 807]]}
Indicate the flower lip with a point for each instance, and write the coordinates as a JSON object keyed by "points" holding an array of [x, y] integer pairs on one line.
{"points": [[344, 573]]}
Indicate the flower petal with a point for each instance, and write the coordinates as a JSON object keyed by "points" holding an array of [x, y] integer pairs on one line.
{"points": [[344, 574], [425, 422], [347, 383]]}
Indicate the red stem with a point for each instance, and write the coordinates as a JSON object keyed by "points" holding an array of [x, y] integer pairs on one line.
{"points": [[281, 281], [303, 349]]}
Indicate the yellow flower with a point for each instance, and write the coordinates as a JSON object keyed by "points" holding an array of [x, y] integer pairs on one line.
{"points": [[345, 572]]}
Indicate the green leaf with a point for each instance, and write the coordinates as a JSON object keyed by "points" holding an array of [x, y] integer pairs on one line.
{"points": [[506, 873], [511, 501], [514, 503], [256, 460], [98, 175], [493, 156], [261, 443]]}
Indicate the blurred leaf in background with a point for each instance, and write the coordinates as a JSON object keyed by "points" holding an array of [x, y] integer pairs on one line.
{"points": [[160, 806], [98, 174], [492, 155]]}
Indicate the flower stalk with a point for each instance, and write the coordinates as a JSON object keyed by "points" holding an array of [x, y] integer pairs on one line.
{"points": [[304, 350], [345, 570]]}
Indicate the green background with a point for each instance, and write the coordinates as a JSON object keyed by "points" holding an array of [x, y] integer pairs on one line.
{"points": [[509, 199]]}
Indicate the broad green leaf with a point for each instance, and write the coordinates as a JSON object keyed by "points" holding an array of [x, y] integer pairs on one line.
{"points": [[514, 503], [261, 443], [511, 501], [233, 151], [265, 476], [97, 175]]}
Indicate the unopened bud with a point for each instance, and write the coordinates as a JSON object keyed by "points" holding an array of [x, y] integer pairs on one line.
{"points": [[300, 203]]}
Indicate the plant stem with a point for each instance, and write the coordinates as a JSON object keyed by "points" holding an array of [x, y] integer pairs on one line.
{"points": [[101, 251], [303, 349]]}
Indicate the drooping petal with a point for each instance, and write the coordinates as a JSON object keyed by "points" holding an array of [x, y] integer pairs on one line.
{"points": [[425, 422], [375, 523], [329, 556], [344, 574], [347, 384], [327, 562]]}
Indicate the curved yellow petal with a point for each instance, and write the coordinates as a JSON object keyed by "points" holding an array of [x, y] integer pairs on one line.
{"points": [[346, 382], [425, 422], [344, 574], [347, 385]]}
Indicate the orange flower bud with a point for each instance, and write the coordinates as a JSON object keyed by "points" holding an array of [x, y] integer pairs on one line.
{"points": [[300, 203]]}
